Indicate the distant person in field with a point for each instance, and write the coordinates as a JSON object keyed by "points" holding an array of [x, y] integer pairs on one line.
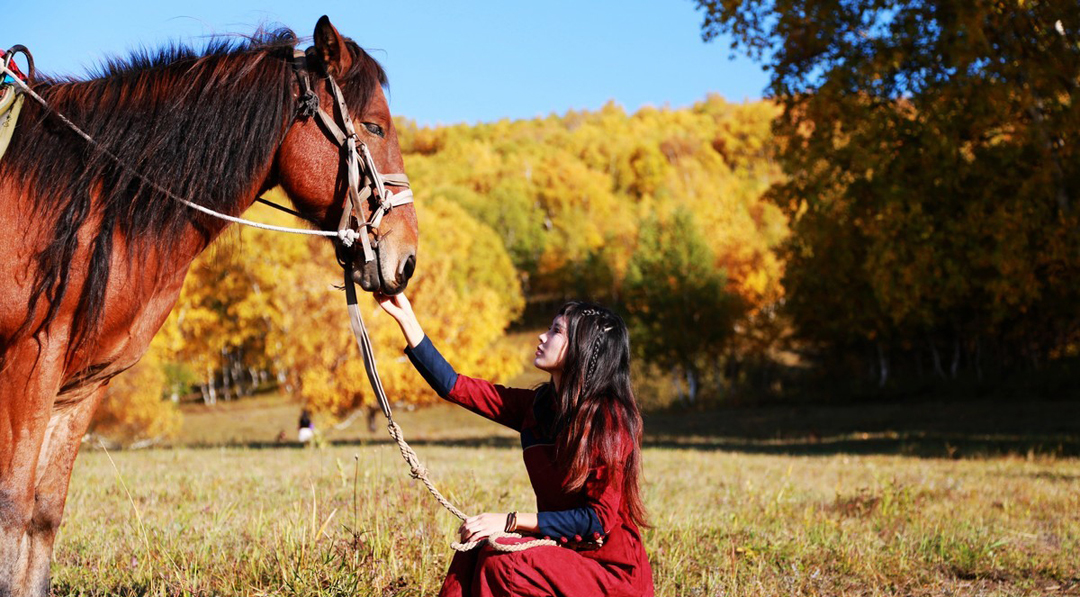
{"points": [[306, 432], [581, 435]]}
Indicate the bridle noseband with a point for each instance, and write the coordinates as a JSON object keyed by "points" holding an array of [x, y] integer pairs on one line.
{"points": [[366, 183]]}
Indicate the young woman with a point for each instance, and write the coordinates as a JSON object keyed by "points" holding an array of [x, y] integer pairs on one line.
{"points": [[581, 435]]}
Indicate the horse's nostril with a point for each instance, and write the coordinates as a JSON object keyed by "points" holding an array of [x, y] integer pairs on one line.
{"points": [[407, 267]]}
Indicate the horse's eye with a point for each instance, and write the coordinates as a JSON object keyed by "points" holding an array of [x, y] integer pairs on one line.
{"points": [[374, 129]]}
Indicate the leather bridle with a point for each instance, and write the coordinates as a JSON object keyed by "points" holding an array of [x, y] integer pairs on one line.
{"points": [[365, 182]]}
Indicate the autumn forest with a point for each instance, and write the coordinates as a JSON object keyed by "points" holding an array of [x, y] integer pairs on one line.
{"points": [[899, 219]]}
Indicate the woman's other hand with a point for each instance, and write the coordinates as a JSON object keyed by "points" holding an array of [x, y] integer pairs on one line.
{"points": [[482, 525], [400, 309]]}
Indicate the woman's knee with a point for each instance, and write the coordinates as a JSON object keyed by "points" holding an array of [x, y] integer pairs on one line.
{"points": [[495, 570]]}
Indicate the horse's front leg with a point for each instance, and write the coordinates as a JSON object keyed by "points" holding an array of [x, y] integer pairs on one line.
{"points": [[29, 381], [70, 418]]}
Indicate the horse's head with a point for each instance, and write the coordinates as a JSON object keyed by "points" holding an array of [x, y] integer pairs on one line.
{"points": [[313, 162]]}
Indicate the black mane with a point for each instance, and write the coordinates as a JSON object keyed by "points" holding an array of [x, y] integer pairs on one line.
{"points": [[201, 124]]}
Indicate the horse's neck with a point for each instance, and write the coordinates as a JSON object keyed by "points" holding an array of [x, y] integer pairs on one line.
{"points": [[122, 252], [139, 299]]}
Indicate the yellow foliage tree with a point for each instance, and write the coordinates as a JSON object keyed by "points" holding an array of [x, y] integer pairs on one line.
{"points": [[231, 301], [552, 207], [133, 409], [465, 290], [275, 302], [569, 193]]}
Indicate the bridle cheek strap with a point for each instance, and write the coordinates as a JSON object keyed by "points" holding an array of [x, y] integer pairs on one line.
{"points": [[365, 182]]}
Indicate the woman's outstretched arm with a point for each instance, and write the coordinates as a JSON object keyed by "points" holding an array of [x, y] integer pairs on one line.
{"points": [[506, 406]]}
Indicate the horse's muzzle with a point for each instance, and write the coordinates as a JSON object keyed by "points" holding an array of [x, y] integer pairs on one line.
{"points": [[380, 276]]}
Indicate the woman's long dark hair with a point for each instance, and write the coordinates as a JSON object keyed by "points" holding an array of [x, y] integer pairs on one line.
{"points": [[595, 405]]}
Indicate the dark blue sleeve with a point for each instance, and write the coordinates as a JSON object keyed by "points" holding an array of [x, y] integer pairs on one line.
{"points": [[436, 371], [570, 524]]}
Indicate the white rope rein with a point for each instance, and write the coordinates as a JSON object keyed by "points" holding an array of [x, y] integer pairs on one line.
{"points": [[346, 235]]}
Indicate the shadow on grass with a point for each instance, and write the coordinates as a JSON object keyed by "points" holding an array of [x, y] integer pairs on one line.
{"points": [[934, 430], [949, 430]]}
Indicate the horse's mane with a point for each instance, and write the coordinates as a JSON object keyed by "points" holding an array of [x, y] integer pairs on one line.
{"points": [[200, 123]]}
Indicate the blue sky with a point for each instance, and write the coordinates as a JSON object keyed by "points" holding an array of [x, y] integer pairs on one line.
{"points": [[448, 62]]}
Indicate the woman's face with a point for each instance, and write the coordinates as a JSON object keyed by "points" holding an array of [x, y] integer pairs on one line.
{"points": [[551, 352]]}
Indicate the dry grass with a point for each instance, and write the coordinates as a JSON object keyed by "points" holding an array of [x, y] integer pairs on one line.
{"points": [[347, 519]]}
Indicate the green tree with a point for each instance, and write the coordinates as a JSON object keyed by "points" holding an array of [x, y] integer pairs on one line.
{"points": [[680, 313], [931, 156]]}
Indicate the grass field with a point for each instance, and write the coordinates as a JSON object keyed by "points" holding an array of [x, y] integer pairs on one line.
{"points": [[763, 502]]}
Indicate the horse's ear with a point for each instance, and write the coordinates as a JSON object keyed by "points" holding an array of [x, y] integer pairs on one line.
{"points": [[331, 49]]}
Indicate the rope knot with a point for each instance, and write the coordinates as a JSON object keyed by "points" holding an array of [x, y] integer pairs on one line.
{"points": [[347, 236]]}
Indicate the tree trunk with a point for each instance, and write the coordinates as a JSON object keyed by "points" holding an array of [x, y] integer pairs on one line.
{"points": [[955, 358], [238, 379], [224, 375], [937, 360], [676, 385], [978, 359], [372, 413], [692, 384], [211, 390], [883, 366], [225, 387]]}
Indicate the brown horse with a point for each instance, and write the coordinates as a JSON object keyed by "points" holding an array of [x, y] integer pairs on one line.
{"points": [[94, 253]]}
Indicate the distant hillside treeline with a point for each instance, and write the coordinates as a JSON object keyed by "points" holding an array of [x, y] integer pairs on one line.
{"points": [[902, 216], [724, 267], [658, 213]]}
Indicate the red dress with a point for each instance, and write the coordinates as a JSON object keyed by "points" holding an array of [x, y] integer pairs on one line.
{"points": [[619, 567]]}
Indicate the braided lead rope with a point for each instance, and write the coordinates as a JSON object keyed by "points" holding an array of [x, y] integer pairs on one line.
{"points": [[418, 471], [347, 236], [416, 468]]}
